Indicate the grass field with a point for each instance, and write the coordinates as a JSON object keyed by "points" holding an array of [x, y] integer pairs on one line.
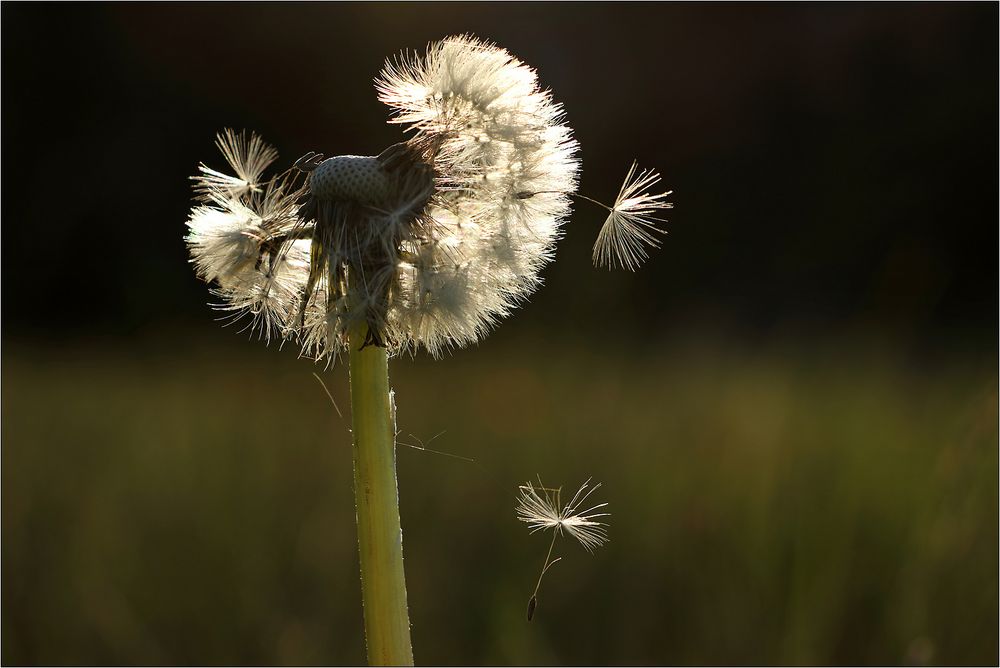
{"points": [[807, 506]]}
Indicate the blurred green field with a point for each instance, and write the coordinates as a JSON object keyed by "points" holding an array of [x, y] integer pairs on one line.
{"points": [[771, 507]]}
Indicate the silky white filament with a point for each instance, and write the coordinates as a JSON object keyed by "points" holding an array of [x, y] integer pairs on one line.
{"points": [[631, 226], [544, 511]]}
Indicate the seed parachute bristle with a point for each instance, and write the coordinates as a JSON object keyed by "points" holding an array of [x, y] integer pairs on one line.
{"points": [[544, 511], [630, 227]]}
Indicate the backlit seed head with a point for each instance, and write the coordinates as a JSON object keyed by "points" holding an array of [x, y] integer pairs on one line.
{"points": [[427, 245]]}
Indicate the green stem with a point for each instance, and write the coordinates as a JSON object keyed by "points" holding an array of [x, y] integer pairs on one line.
{"points": [[380, 538]]}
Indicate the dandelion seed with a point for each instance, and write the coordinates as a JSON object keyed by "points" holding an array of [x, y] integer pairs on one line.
{"points": [[631, 226], [544, 510], [247, 156]]}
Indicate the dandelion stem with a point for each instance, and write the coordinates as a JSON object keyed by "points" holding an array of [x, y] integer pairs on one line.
{"points": [[380, 539]]}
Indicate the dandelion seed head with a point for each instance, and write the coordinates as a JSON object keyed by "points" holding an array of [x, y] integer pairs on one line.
{"points": [[429, 244]]}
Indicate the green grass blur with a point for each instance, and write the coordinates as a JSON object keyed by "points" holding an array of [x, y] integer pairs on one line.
{"points": [[193, 504]]}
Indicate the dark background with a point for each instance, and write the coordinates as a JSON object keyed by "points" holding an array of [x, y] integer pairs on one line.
{"points": [[822, 318]]}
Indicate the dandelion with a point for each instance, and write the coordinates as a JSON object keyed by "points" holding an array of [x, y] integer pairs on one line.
{"points": [[425, 246], [545, 511]]}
